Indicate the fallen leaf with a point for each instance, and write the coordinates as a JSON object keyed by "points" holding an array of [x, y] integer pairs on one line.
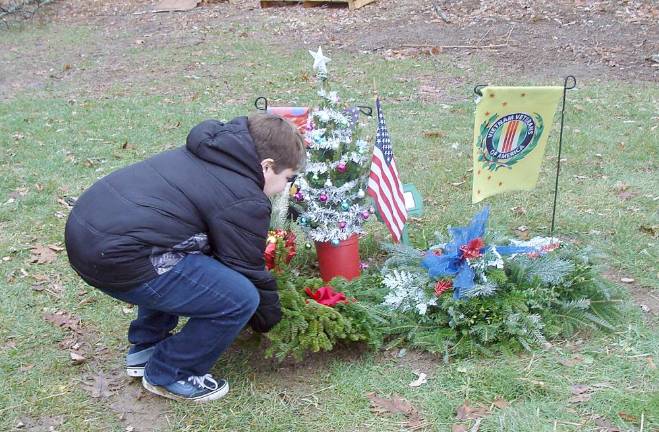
{"points": [[64, 203], [458, 183], [468, 412], [127, 146], [628, 417], [627, 280], [626, 195], [573, 361], [518, 211], [500, 403], [64, 320], [395, 405], [42, 254], [605, 424], [458, 428], [77, 358], [522, 232], [434, 134], [603, 385], [421, 379], [652, 230], [580, 389], [25, 368], [620, 187], [651, 364], [584, 397], [175, 5]]}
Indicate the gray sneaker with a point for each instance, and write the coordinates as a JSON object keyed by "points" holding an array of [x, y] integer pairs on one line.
{"points": [[135, 361], [195, 389]]}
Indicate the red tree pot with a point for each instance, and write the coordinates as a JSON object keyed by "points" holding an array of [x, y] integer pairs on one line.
{"points": [[342, 260]]}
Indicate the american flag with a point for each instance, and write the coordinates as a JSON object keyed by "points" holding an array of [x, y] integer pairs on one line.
{"points": [[384, 183]]}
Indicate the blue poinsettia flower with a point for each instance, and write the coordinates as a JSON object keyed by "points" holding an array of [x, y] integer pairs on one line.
{"points": [[453, 262], [466, 243]]}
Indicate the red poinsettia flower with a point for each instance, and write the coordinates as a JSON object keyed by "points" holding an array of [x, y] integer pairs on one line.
{"points": [[276, 239], [290, 246], [473, 248], [269, 255], [326, 295], [442, 286]]}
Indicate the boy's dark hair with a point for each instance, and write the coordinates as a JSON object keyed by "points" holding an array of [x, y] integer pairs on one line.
{"points": [[278, 139]]}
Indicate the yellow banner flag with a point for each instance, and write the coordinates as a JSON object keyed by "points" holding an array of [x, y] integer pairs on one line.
{"points": [[510, 135]]}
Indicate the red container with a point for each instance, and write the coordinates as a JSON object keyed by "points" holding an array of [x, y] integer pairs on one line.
{"points": [[342, 260]]}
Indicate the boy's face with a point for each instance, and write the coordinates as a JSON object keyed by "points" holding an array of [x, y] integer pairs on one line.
{"points": [[275, 183]]}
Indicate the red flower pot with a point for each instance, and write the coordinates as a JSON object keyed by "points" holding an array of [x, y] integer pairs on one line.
{"points": [[342, 260]]}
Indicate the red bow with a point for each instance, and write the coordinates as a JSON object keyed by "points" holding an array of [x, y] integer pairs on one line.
{"points": [[473, 248], [327, 296]]}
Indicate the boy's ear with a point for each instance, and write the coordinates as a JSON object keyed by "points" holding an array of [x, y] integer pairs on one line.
{"points": [[267, 164]]}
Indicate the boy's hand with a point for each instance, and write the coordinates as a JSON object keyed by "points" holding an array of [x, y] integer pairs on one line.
{"points": [[268, 314]]}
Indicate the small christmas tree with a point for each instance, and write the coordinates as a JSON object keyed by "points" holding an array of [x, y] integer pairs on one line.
{"points": [[330, 194]]}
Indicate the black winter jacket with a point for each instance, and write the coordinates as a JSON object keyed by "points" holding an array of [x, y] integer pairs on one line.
{"points": [[206, 197]]}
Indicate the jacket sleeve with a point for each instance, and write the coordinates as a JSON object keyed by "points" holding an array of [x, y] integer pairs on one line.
{"points": [[237, 237]]}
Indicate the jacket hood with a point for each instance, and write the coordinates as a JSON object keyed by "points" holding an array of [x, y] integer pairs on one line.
{"points": [[228, 145]]}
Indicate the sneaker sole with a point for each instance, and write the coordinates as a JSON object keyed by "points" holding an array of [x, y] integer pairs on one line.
{"points": [[135, 372], [217, 394]]}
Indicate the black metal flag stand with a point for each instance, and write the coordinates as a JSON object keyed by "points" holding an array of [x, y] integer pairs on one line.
{"points": [[569, 83]]}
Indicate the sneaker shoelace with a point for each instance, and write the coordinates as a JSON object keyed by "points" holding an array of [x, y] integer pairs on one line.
{"points": [[200, 381]]}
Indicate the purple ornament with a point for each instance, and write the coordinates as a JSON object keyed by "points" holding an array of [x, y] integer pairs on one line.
{"points": [[342, 224], [323, 197], [363, 265], [341, 167], [365, 214], [298, 196]]}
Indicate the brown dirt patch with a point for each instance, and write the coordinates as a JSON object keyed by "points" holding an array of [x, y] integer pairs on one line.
{"points": [[647, 298], [139, 410], [540, 40]]}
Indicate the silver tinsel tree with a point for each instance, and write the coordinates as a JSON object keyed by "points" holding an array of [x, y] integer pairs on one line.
{"points": [[330, 194]]}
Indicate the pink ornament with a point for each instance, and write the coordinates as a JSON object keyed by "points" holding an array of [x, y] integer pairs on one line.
{"points": [[371, 210], [298, 196], [323, 197], [363, 265], [365, 214], [341, 167], [342, 224]]}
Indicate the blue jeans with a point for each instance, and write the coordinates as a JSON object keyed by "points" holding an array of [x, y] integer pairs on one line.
{"points": [[219, 301]]}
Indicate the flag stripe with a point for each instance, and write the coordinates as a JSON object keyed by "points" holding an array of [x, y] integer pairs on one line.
{"points": [[384, 198], [395, 201], [374, 191], [399, 189], [384, 182]]}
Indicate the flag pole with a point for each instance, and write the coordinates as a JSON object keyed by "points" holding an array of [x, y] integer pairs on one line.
{"points": [[569, 83]]}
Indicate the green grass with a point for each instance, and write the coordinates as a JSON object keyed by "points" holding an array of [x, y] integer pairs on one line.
{"points": [[58, 140]]}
